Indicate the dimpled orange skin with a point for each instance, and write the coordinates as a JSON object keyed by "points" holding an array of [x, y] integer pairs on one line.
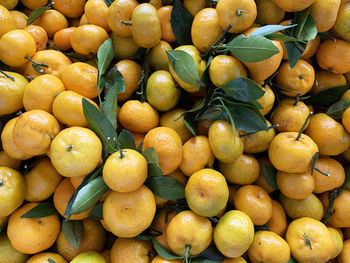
{"points": [[34, 130], [207, 192], [205, 29], [189, 228], [196, 154], [39, 34], [81, 78], [324, 13], [299, 79], [14, 46], [278, 221], [87, 39], [32, 235], [295, 185], [7, 21], [329, 135], [164, 14], [259, 71], [228, 13], [125, 173], [334, 56], [131, 72], [121, 11], [168, 145], [255, 202], [138, 210], [291, 156], [62, 38], [52, 21], [72, 8], [138, 116], [130, 250], [146, 28], [40, 92], [55, 60], [293, 6]]}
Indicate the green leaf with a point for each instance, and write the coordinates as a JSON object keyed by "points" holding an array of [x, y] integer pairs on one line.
{"points": [[114, 85], [99, 123], [251, 49], [109, 2], [181, 23], [292, 260], [243, 89], [327, 97], [270, 175], [205, 78], [148, 235], [166, 187], [105, 55], [95, 173], [269, 29], [190, 124], [126, 140], [294, 51], [314, 161], [89, 195], [212, 113], [37, 13], [184, 66], [73, 231], [97, 212], [306, 29], [151, 156], [281, 37], [41, 210], [337, 109], [164, 252]]}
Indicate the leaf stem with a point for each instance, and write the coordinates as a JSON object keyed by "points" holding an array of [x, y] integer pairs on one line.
{"points": [[303, 127], [7, 75], [215, 45]]}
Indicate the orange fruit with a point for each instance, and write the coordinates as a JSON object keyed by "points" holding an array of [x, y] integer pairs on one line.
{"points": [[125, 172], [124, 47], [52, 21], [267, 100], [32, 235], [324, 13], [96, 13], [168, 146], [158, 59], [325, 80], [278, 221], [130, 250], [41, 181], [341, 26], [293, 6], [161, 222], [87, 39], [20, 19], [255, 202], [194, 6], [207, 192], [62, 38], [345, 253], [39, 35], [196, 155], [15, 45], [40, 93], [138, 116], [73, 8], [75, 152], [295, 185], [8, 161], [7, 21], [159, 259], [45, 256], [34, 130], [138, 208], [164, 14], [268, 12]]}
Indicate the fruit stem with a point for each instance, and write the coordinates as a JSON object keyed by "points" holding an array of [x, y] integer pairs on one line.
{"points": [[37, 63], [214, 46], [297, 99], [307, 240], [240, 12], [7, 75], [187, 255], [304, 125], [69, 147], [321, 172], [126, 23]]}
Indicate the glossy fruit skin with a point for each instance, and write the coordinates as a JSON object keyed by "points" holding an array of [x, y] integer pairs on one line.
{"points": [[278, 221], [268, 12], [96, 13], [342, 24], [345, 254], [267, 100], [131, 72], [234, 233], [293, 6], [324, 13], [44, 256], [229, 13], [226, 146], [52, 21], [205, 29], [325, 80], [146, 29], [338, 241], [39, 35], [295, 185], [130, 250], [164, 14], [260, 141], [159, 259], [6, 20], [72, 9], [158, 58]]}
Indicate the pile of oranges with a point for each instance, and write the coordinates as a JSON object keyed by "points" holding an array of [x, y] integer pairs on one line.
{"points": [[175, 131]]}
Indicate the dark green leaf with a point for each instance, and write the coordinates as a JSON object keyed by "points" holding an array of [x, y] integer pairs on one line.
{"points": [[181, 23], [180, 205], [50, 260], [73, 231], [184, 66], [109, 2], [114, 85], [126, 140], [164, 252], [204, 260], [140, 54], [190, 124], [337, 109], [41, 210], [329, 96], [313, 161], [243, 89], [99, 123], [306, 29], [37, 13], [252, 49], [95, 173], [97, 212], [281, 37], [4, 67], [212, 113], [105, 54], [205, 79], [149, 234], [294, 52], [166, 187], [292, 260], [151, 156], [269, 29], [89, 195], [270, 175], [212, 253]]}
